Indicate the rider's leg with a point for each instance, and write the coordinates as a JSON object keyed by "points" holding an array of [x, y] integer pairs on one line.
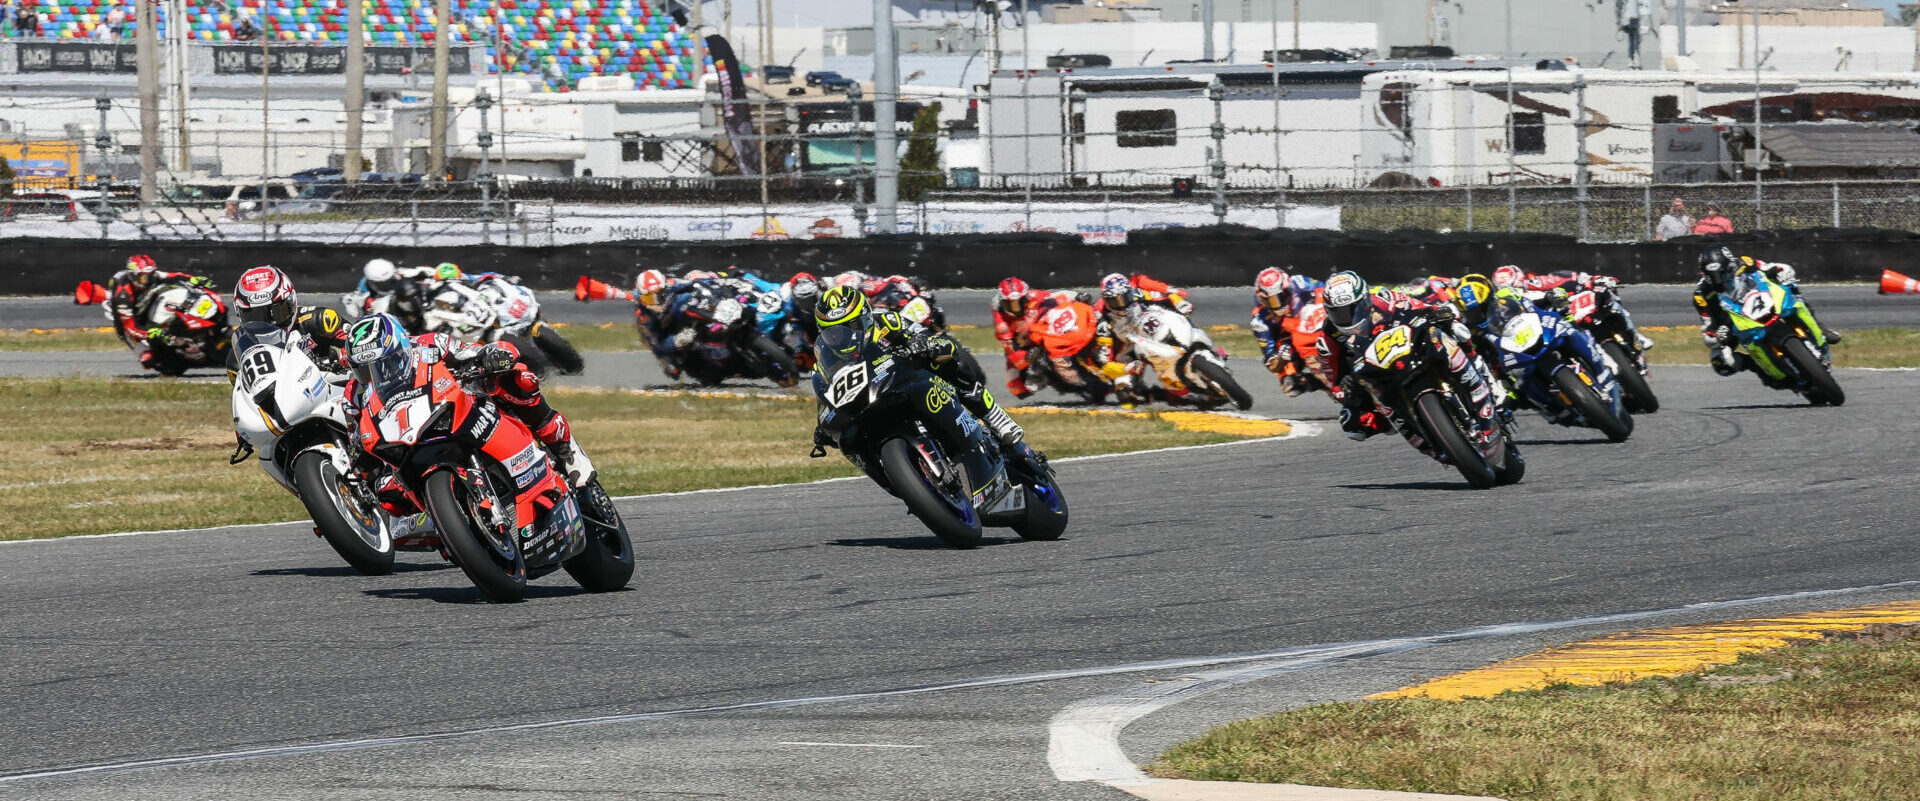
{"points": [[966, 376], [520, 396]]}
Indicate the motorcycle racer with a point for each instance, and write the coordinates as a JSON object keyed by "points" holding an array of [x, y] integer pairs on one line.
{"points": [[1278, 299], [130, 294], [1122, 302], [1485, 308], [1149, 290], [381, 354], [655, 295], [1551, 290], [1358, 314], [1078, 345], [384, 287], [1718, 268], [1016, 308], [942, 354]]}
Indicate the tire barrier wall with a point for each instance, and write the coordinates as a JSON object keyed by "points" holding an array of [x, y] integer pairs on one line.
{"points": [[1220, 256]]}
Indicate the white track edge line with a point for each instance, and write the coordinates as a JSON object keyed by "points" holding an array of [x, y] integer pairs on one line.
{"points": [[1083, 739], [1306, 655]]}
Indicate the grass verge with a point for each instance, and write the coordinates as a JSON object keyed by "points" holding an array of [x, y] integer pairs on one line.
{"points": [[102, 455], [1828, 719]]}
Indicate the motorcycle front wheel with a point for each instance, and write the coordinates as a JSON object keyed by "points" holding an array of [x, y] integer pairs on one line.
{"points": [[1639, 397], [559, 352], [1594, 409], [356, 531], [952, 519], [1821, 386], [779, 359], [1046, 516], [1224, 380], [492, 562], [607, 563], [1451, 441]]}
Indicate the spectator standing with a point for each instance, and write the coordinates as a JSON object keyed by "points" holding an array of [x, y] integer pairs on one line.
{"points": [[116, 19], [1713, 223], [245, 32], [26, 21], [1676, 222]]}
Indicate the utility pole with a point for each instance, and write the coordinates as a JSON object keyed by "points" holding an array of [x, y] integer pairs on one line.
{"points": [[886, 90], [699, 52], [1513, 193], [356, 86], [103, 181], [482, 102], [1581, 172], [765, 14], [1296, 24], [146, 53], [1759, 155], [1217, 93], [859, 181], [177, 68], [1680, 26], [1206, 30], [266, 106], [437, 138]]}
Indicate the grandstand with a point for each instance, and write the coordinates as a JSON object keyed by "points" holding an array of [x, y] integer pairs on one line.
{"points": [[557, 41]]}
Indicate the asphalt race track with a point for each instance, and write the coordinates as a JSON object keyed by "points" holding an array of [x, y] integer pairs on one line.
{"points": [[813, 642], [808, 603]]}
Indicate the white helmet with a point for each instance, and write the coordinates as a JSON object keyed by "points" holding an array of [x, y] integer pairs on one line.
{"points": [[379, 274]]}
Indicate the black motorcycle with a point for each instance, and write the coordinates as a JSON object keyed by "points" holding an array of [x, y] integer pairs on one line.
{"points": [[1597, 312], [1405, 367], [905, 427], [720, 339]]}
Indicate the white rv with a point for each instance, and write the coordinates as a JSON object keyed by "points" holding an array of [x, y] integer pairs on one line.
{"points": [[1452, 128]]}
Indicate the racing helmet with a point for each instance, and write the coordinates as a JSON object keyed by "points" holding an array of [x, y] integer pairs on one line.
{"points": [[649, 290], [379, 274], [1273, 288], [842, 305], [852, 278], [1717, 258], [1117, 291], [1475, 296], [702, 275], [1012, 298], [379, 352], [142, 263], [265, 294], [1508, 275], [446, 271], [1347, 298]]}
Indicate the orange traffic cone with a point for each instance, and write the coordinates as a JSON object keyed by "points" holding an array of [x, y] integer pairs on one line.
{"points": [[89, 293], [590, 289], [1892, 283]]}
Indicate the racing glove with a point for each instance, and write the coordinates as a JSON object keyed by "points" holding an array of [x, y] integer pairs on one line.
{"points": [[156, 335], [1275, 363], [201, 281], [1182, 305]]}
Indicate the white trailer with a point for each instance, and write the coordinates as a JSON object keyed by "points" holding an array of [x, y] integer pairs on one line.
{"points": [[1452, 128]]}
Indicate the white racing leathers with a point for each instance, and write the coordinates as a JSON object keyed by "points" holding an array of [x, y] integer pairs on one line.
{"points": [[1159, 336]]}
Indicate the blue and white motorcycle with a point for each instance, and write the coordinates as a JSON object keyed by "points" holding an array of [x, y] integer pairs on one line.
{"points": [[1557, 368]]}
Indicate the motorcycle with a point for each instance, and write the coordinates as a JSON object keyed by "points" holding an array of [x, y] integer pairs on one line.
{"points": [[193, 319], [1405, 367], [915, 305], [1538, 352], [517, 310], [1596, 312], [720, 338], [288, 412], [470, 317], [1774, 329], [1183, 354], [905, 428], [406, 303], [1316, 349], [1063, 332], [501, 508]]}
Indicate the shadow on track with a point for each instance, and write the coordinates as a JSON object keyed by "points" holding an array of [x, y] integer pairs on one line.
{"points": [[914, 543], [344, 570], [467, 595], [1436, 486], [1538, 443], [1800, 405]]}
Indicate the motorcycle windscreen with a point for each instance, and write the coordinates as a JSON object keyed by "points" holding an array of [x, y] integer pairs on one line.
{"points": [[838, 345]]}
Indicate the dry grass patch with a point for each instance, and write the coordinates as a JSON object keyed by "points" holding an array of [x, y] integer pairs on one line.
{"points": [[103, 455], [1830, 719]]}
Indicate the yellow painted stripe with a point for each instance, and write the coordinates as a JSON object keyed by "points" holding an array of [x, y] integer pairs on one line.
{"points": [[1657, 652], [1213, 422]]}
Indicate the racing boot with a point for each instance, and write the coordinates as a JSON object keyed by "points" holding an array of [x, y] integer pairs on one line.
{"points": [[558, 437]]}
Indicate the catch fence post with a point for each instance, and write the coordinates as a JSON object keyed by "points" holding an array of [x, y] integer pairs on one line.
{"points": [[1580, 159], [1836, 204], [1469, 208], [1646, 210], [414, 214], [1217, 92]]}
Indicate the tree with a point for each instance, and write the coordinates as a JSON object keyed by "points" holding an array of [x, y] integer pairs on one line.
{"points": [[920, 168]]}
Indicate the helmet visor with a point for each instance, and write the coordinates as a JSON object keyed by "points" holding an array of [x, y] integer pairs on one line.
{"points": [[1344, 317], [279, 313], [1013, 306], [390, 373], [1272, 300]]}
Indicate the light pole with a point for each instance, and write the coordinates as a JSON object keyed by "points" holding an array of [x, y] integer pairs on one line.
{"points": [[1513, 193], [1759, 154]]}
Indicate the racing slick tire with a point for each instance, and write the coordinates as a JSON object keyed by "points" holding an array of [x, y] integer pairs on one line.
{"points": [[559, 352], [1046, 519], [1639, 397], [1821, 385], [1594, 409], [359, 535], [1224, 380], [779, 359], [955, 521], [1448, 437], [495, 566], [607, 562]]}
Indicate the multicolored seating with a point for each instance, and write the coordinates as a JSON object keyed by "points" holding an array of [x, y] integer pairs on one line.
{"points": [[556, 41]]}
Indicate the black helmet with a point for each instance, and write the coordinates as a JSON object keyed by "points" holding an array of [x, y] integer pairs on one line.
{"points": [[1717, 258]]}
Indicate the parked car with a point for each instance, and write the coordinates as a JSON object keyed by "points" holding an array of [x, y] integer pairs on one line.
{"points": [[40, 205], [815, 77], [775, 73]]}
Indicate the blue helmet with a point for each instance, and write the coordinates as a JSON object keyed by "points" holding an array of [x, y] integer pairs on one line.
{"points": [[378, 350]]}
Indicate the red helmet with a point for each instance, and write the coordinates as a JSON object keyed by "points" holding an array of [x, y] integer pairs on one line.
{"points": [[803, 285], [142, 263], [1012, 299], [648, 287], [1509, 276], [1271, 288], [265, 294]]}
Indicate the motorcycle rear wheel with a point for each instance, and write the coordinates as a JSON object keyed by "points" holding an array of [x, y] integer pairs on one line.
{"points": [[325, 497], [559, 352], [1593, 408], [499, 575], [1637, 394], [911, 482], [1224, 380], [1447, 435], [1821, 385], [607, 563]]}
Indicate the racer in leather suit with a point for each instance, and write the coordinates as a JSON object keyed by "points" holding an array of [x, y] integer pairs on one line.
{"points": [[1718, 268], [1358, 315], [265, 294], [943, 355], [1278, 299], [1485, 309], [1551, 290], [129, 293], [1017, 307], [380, 339]]}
